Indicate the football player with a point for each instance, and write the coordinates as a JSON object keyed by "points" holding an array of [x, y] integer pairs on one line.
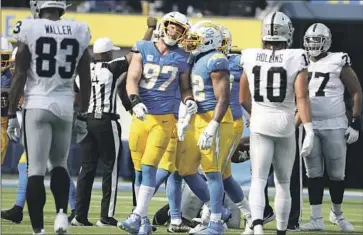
{"points": [[6, 75], [50, 49], [329, 75], [213, 122], [272, 77], [155, 72]]}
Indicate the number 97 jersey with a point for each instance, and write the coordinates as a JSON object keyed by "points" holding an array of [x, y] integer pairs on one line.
{"points": [[56, 48], [271, 77]]}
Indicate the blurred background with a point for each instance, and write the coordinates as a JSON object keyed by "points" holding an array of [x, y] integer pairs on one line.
{"points": [[125, 23]]}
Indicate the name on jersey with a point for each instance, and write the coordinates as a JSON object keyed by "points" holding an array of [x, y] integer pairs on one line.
{"points": [[58, 30], [262, 57]]}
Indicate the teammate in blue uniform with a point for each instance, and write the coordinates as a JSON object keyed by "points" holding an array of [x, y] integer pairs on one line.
{"points": [[156, 70], [213, 122]]}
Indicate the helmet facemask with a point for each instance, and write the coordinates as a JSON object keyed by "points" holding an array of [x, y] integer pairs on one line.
{"points": [[173, 32], [315, 45]]}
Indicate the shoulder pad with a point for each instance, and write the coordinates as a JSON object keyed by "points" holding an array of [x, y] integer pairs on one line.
{"points": [[21, 30], [217, 61]]}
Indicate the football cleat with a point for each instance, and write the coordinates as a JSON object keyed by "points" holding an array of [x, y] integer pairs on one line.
{"points": [[132, 224], [14, 214], [341, 222], [61, 223], [315, 224]]}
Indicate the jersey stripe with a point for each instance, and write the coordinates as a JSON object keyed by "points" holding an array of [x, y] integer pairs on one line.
{"points": [[272, 24]]}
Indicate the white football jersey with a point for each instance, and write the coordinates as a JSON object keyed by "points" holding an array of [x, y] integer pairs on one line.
{"points": [[326, 89], [56, 48], [271, 77]]}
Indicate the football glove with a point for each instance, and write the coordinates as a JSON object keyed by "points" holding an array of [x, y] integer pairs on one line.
{"points": [[13, 128], [80, 126], [352, 133], [308, 144], [206, 138], [183, 126], [140, 111], [192, 107]]}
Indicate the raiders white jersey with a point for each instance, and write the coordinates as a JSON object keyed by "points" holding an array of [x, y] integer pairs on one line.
{"points": [[326, 89], [56, 48], [105, 82], [271, 77]]}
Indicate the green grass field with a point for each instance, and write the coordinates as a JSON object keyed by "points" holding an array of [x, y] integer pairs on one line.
{"points": [[353, 210]]}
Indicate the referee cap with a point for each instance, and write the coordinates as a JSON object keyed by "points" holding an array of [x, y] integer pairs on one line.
{"points": [[103, 45]]}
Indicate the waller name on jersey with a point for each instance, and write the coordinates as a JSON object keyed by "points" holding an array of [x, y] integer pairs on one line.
{"points": [[58, 30], [262, 57]]}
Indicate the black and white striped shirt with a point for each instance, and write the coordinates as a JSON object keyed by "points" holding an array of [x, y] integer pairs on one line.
{"points": [[105, 81]]}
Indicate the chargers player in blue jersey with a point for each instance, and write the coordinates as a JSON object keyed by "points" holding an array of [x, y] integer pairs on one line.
{"points": [[155, 72], [6, 75], [213, 122]]}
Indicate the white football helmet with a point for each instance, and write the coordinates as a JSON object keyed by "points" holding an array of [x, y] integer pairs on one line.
{"points": [[175, 18], [227, 40], [292, 30], [203, 36], [317, 39], [277, 27], [37, 5], [6, 52]]}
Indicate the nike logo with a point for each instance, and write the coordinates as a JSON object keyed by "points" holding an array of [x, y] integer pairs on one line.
{"points": [[164, 121]]}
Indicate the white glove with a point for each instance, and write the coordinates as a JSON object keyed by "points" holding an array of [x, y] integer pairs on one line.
{"points": [[192, 107], [80, 126], [308, 144], [206, 138], [13, 129], [183, 126], [351, 135], [140, 111]]}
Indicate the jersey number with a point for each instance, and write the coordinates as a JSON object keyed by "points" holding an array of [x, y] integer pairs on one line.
{"points": [[198, 88], [325, 76], [46, 50], [270, 81], [152, 73]]}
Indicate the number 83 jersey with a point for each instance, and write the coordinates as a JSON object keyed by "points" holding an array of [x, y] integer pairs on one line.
{"points": [[271, 77], [160, 77], [56, 48]]}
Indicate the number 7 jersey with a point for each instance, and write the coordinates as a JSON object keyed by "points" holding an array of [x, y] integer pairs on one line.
{"points": [[271, 77], [56, 48]]}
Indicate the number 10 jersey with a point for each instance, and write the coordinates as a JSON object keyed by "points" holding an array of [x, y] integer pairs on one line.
{"points": [[271, 77], [56, 48]]}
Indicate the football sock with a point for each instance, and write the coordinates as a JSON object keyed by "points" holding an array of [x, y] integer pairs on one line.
{"points": [[146, 190], [336, 190], [282, 204], [161, 176], [257, 198], [316, 192], [23, 181], [138, 179], [174, 193], [72, 194], [233, 189], [198, 186], [59, 185], [216, 191], [35, 197]]}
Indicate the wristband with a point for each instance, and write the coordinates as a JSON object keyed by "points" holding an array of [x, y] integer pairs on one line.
{"points": [[82, 116], [355, 124], [188, 98], [134, 99], [152, 27]]}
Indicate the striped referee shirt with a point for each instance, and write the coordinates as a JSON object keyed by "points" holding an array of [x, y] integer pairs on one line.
{"points": [[105, 81]]}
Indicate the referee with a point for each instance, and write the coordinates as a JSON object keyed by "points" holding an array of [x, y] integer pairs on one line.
{"points": [[103, 140]]}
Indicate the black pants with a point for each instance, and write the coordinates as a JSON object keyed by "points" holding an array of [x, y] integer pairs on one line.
{"points": [[103, 142], [295, 185]]}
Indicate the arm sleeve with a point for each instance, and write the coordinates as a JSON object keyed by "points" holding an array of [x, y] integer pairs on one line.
{"points": [[118, 66]]}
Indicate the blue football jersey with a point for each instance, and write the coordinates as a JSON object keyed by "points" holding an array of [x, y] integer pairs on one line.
{"points": [[201, 81], [235, 70], [160, 77]]}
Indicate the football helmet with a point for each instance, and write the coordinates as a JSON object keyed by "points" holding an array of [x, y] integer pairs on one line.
{"points": [[227, 40], [171, 18], [37, 5], [203, 36], [6, 52], [277, 27], [317, 39]]}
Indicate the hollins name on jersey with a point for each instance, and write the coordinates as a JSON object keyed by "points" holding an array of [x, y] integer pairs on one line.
{"points": [[262, 57], [58, 29]]}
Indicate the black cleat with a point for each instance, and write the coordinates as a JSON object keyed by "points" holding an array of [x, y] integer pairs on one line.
{"points": [[181, 228], [73, 214], [107, 221], [77, 221], [14, 214]]}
